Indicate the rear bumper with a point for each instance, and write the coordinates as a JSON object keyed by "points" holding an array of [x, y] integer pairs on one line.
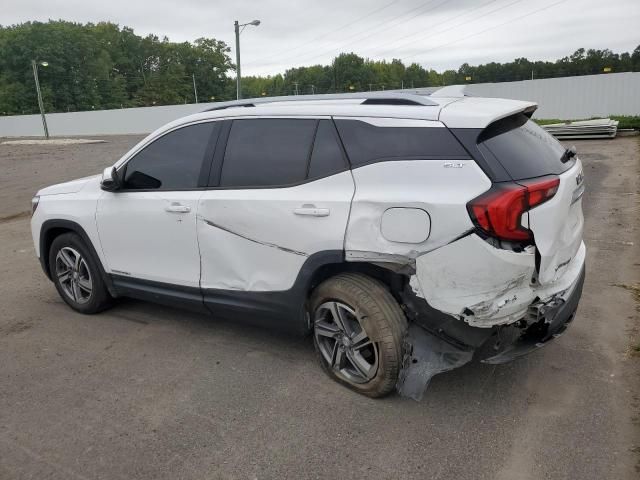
{"points": [[437, 341], [485, 286], [543, 323]]}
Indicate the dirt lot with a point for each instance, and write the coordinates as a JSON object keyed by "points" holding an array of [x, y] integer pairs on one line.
{"points": [[144, 391]]}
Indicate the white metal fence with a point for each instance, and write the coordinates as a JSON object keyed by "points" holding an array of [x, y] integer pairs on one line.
{"points": [[569, 98], [564, 98]]}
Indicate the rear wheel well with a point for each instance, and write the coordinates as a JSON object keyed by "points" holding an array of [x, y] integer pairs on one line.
{"points": [[394, 281]]}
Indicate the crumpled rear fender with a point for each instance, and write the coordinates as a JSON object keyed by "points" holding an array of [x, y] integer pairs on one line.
{"points": [[483, 285]]}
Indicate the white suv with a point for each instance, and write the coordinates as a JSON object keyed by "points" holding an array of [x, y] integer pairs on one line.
{"points": [[405, 231]]}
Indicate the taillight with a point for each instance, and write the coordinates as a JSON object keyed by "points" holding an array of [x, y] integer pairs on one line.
{"points": [[498, 212]]}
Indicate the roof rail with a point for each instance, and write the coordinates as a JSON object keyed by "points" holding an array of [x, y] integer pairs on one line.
{"points": [[369, 98]]}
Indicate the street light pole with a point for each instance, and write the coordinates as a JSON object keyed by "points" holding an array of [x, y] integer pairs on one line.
{"points": [[195, 90], [237, 26], [34, 65], [238, 91]]}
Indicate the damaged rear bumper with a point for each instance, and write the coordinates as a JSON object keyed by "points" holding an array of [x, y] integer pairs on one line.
{"points": [[437, 342], [544, 322]]}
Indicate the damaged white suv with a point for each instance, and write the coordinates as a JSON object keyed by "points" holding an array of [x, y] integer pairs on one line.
{"points": [[405, 231]]}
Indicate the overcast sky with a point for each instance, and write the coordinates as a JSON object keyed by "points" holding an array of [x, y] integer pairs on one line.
{"points": [[438, 34]]}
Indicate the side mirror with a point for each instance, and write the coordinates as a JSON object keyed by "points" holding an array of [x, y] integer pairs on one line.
{"points": [[110, 180]]}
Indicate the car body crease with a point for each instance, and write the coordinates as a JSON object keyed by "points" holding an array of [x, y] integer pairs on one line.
{"points": [[260, 242]]}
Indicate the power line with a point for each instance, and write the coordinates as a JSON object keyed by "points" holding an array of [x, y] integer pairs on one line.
{"points": [[368, 29], [486, 29], [435, 34], [315, 39], [441, 31]]}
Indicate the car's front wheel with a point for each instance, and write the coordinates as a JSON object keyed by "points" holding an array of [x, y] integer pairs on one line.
{"points": [[358, 329], [76, 275]]}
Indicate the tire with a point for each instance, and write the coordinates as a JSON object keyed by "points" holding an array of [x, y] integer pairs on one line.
{"points": [[365, 352], [76, 275]]}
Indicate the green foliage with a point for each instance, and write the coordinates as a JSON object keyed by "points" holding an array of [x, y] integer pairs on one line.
{"points": [[627, 121], [102, 66]]}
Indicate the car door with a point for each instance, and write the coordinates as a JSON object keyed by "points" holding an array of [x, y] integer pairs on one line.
{"points": [[280, 194], [148, 228]]}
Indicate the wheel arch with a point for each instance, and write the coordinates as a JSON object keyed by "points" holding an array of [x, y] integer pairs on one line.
{"points": [[51, 229], [331, 265]]}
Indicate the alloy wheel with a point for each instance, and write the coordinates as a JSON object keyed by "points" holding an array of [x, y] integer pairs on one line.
{"points": [[344, 344], [73, 275]]}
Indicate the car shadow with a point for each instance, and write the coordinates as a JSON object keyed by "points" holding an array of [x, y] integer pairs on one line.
{"points": [[472, 382]]}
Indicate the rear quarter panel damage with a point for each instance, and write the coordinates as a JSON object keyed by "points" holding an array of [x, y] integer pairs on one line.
{"points": [[486, 286], [471, 279]]}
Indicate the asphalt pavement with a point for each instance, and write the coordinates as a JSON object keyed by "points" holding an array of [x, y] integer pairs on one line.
{"points": [[149, 392]]}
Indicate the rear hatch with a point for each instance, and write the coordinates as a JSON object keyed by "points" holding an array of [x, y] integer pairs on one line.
{"points": [[528, 152]]}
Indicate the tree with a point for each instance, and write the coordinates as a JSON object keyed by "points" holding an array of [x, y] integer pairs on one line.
{"points": [[101, 66], [105, 66]]}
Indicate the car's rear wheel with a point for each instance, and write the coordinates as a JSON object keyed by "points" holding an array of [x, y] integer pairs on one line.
{"points": [[357, 329], [76, 275]]}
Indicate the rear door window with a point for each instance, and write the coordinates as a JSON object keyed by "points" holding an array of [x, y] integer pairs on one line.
{"points": [[267, 152], [327, 157], [523, 148]]}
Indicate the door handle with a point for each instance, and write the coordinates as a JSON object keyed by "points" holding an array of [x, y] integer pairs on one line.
{"points": [[312, 211], [177, 208]]}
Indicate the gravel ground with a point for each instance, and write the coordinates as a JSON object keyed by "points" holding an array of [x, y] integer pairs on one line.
{"points": [[143, 391]]}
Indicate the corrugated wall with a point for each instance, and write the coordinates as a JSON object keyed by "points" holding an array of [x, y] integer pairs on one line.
{"points": [[570, 98], [564, 98], [98, 122]]}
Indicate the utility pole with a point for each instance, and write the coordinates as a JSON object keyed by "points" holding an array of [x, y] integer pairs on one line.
{"points": [[195, 90], [531, 74], [237, 26], [295, 84], [238, 90], [402, 85], [34, 65]]}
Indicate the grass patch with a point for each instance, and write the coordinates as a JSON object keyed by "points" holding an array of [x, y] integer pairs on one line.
{"points": [[626, 121]]}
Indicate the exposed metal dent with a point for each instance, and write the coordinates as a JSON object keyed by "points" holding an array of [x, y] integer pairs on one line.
{"points": [[502, 307], [267, 244]]}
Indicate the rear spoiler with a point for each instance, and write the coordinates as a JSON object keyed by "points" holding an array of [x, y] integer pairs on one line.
{"points": [[476, 112]]}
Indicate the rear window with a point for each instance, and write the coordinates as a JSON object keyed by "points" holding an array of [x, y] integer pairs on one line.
{"points": [[366, 143], [523, 148]]}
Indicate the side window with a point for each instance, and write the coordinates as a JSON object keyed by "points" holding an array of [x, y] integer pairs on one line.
{"points": [[366, 143], [267, 152], [172, 162], [327, 157]]}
